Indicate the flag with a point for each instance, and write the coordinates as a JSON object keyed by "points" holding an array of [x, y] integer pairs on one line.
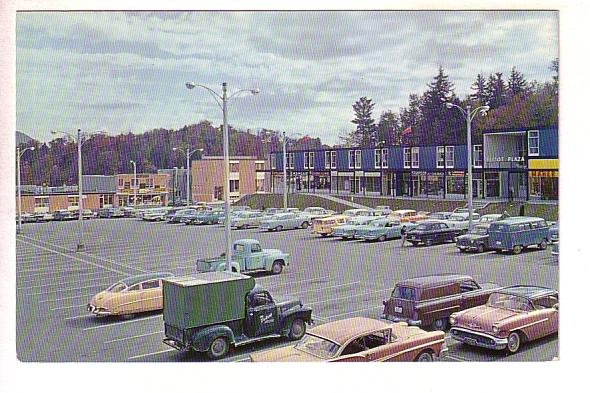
{"points": [[407, 131]]}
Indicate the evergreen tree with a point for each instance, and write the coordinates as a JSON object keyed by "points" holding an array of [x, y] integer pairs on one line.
{"points": [[480, 90], [496, 90], [410, 118], [365, 125], [555, 68], [516, 83], [389, 128]]}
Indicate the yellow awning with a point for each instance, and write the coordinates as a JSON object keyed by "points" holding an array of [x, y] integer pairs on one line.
{"points": [[544, 164]]}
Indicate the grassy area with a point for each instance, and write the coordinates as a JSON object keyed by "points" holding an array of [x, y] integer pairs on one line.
{"points": [[261, 201]]}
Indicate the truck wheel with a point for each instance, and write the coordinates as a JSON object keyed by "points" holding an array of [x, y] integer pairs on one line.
{"points": [[218, 348], [297, 329], [381, 238], [424, 357], [517, 249], [305, 225], [277, 267], [279, 228], [481, 248], [543, 244]]}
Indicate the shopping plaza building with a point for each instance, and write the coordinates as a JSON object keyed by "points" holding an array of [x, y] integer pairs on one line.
{"points": [[519, 164]]}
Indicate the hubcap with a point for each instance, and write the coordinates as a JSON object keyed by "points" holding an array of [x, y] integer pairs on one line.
{"points": [[218, 346], [297, 329], [513, 342], [425, 357]]}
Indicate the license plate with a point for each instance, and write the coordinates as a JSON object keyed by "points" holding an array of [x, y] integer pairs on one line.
{"points": [[397, 310]]}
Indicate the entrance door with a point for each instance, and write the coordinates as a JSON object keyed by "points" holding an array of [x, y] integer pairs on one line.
{"points": [[477, 188], [415, 186]]}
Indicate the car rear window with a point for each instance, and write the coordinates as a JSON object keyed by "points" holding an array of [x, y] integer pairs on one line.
{"points": [[404, 293]]}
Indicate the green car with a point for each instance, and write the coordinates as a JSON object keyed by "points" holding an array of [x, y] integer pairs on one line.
{"points": [[208, 217], [383, 229]]}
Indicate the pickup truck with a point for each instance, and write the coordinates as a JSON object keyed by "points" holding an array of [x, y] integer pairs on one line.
{"points": [[214, 312], [248, 256]]}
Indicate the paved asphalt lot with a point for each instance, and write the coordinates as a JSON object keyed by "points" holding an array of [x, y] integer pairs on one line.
{"points": [[337, 279]]}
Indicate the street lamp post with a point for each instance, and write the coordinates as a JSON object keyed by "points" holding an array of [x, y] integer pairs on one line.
{"points": [[285, 171], [19, 154], [188, 154], [469, 115], [174, 186], [134, 183], [223, 105], [79, 141]]}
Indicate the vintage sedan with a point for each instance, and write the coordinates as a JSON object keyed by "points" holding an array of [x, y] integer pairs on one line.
{"points": [[110, 212], [349, 230], [461, 221], [383, 229], [407, 215], [361, 340], [63, 215], [317, 212], [511, 316], [489, 218], [324, 226], [439, 215], [181, 214], [475, 240], [431, 232], [130, 296], [246, 219], [208, 217], [155, 215], [278, 222]]}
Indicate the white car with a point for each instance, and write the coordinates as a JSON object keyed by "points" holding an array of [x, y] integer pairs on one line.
{"points": [[317, 212], [246, 219], [461, 220], [155, 215]]}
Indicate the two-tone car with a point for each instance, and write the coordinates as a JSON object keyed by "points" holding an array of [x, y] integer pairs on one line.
{"points": [[207, 217], [407, 215], [325, 226], [429, 232], [439, 215], [317, 212], [511, 316], [132, 295], [155, 215], [461, 221], [475, 240], [111, 212], [360, 340], [246, 219], [349, 230], [282, 221], [383, 229]]}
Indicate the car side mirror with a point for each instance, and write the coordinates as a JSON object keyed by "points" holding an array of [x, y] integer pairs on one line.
{"points": [[556, 306]]}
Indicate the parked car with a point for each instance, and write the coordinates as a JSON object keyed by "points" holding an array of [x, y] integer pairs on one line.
{"points": [[489, 218], [517, 233], [461, 221], [360, 340], [357, 212], [28, 217], [240, 208], [216, 311], [439, 215], [45, 217], [431, 232], [349, 229], [281, 221], [247, 256], [181, 214], [407, 215], [111, 212], [383, 229], [271, 211], [155, 215], [317, 212], [63, 215], [476, 240], [553, 232], [430, 300], [248, 219], [324, 226], [128, 211], [130, 296], [86, 214], [385, 209], [168, 216], [208, 217], [511, 316]]}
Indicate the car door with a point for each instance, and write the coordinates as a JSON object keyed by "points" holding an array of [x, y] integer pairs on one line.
{"points": [[151, 295], [131, 300], [256, 259], [262, 314], [546, 317]]}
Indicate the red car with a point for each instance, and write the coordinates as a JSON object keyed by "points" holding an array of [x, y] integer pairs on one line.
{"points": [[511, 316]]}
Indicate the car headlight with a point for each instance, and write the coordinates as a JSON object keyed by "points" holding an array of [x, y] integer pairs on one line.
{"points": [[495, 329], [452, 320]]}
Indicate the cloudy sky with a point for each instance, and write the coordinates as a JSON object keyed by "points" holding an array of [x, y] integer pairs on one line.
{"points": [[125, 71]]}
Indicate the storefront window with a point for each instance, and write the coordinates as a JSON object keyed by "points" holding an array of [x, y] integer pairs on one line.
{"points": [[435, 184], [492, 184], [455, 183], [440, 156], [477, 156], [544, 185]]}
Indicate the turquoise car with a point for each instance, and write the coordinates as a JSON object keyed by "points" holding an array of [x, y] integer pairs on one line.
{"points": [[383, 229], [349, 230]]}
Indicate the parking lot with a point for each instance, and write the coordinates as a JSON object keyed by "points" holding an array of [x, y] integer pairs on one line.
{"points": [[337, 279]]}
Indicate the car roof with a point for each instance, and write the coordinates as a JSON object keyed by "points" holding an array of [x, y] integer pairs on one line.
{"points": [[439, 279], [431, 221], [528, 291], [129, 281], [246, 241], [403, 211], [518, 220], [334, 217], [345, 329]]}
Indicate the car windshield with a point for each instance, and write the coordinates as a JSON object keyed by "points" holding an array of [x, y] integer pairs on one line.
{"points": [[378, 223], [118, 287], [509, 302], [404, 293], [420, 227], [479, 231], [318, 346]]}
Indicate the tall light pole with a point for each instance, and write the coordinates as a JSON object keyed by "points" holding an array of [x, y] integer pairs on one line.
{"points": [[469, 115], [174, 186], [79, 141], [19, 154], [223, 105], [284, 171], [134, 183], [188, 154]]}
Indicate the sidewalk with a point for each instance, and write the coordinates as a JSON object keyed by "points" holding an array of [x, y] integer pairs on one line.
{"points": [[335, 199]]}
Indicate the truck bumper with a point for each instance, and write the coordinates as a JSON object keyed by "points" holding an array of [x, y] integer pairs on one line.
{"points": [[174, 344], [409, 321], [478, 339]]}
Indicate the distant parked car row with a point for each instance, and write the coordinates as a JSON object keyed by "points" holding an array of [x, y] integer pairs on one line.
{"points": [[58, 215]]}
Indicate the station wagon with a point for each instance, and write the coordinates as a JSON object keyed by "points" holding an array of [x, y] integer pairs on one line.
{"points": [[324, 226], [516, 233]]}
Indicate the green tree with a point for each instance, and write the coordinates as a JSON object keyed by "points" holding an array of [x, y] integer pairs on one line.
{"points": [[516, 83], [479, 88], [389, 128], [496, 90], [365, 124]]}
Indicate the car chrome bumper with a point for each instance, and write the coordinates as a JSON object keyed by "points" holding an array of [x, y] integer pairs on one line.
{"points": [[467, 247], [174, 344], [409, 321], [98, 311], [478, 339]]}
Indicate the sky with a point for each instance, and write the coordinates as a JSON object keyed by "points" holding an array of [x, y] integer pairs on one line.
{"points": [[126, 71]]}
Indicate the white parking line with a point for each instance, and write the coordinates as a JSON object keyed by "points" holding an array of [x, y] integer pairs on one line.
{"points": [[61, 290], [64, 284], [350, 296], [67, 307], [122, 323], [64, 298], [150, 354], [132, 337], [76, 317]]}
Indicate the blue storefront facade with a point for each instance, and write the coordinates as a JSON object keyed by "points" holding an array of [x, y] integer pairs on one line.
{"points": [[507, 164]]}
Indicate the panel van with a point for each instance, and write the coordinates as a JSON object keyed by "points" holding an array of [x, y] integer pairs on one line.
{"points": [[516, 233]]}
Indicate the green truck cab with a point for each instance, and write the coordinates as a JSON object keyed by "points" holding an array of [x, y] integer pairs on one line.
{"points": [[247, 256], [213, 312]]}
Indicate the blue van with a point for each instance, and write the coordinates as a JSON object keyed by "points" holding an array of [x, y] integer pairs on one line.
{"points": [[515, 233]]}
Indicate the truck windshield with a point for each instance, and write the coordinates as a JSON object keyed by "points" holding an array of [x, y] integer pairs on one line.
{"points": [[238, 248], [404, 293], [318, 346]]}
